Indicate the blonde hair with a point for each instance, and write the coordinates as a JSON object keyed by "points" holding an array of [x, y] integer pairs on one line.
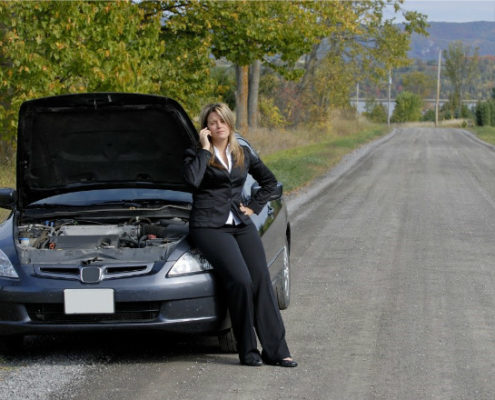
{"points": [[227, 116]]}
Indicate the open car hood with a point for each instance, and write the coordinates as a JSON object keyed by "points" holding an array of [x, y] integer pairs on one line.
{"points": [[100, 140]]}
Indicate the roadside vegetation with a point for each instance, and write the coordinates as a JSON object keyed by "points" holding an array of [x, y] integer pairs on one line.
{"points": [[7, 174], [484, 118], [466, 78], [485, 133], [299, 166]]}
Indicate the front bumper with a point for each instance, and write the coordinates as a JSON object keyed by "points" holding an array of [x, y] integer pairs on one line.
{"points": [[186, 304]]}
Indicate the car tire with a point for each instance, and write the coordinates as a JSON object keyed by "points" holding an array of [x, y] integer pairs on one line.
{"points": [[11, 344], [283, 284], [227, 341]]}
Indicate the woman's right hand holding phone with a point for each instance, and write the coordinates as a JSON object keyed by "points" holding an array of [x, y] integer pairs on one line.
{"points": [[205, 138]]}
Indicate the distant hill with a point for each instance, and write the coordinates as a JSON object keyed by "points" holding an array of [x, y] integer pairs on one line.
{"points": [[475, 34]]}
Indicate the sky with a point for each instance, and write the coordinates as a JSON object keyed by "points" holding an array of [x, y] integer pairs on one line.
{"points": [[453, 10]]}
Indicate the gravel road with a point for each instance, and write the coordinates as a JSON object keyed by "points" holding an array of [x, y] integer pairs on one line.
{"points": [[393, 296]]}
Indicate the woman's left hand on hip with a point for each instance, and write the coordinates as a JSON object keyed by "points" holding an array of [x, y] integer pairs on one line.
{"points": [[246, 210]]}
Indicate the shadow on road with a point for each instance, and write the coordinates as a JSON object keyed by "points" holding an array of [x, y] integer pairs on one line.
{"points": [[116, 347]]}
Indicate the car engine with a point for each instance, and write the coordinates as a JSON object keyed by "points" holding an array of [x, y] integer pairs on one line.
{"points": [[68, 234]]}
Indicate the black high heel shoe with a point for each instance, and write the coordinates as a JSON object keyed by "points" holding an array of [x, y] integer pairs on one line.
{"points": [[282, 363], [287, 363], [252, 359], [252, 363]]}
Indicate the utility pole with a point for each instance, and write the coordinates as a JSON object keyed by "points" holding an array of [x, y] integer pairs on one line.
{"points": [[438, 86], [357, 96], [389, 93], [357, 104]]}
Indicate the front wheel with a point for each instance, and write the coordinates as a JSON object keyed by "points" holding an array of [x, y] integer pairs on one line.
{"points": [[283, 284]]}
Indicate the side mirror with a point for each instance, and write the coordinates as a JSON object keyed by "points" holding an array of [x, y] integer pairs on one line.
{"points": [[277, 194], [8, 198]]}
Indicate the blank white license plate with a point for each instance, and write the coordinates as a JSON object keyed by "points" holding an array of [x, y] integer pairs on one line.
{"points": [[89, 301]]}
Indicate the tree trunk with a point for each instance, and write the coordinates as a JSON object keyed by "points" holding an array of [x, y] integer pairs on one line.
{"points": [[241, 98], [309, 68], [254, 85]]}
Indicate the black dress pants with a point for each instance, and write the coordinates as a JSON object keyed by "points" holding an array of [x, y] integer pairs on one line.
{"points": [[239, 260]]}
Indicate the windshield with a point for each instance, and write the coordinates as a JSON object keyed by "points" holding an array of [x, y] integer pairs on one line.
{"points": [[93, 197]]}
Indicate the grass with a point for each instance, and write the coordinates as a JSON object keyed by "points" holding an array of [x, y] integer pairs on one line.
{"points": [[299, 166], [298, 156], [486, 133], [7, 175]]}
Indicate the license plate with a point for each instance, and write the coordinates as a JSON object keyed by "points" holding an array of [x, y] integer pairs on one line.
{"points": [[89, 301]]}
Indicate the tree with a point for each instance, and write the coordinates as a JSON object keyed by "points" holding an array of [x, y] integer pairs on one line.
{"points": [[418, 82], [483, 113], [408, 107], [246, 33], [50, 48], [376, 112], [330, 86], [277, 33], [461, 67], [224, 84], [358, 43]]}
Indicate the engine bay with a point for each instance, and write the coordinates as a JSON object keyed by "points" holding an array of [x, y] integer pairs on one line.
{"points": [[69, 234]]}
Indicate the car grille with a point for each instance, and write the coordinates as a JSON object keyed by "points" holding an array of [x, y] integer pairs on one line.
{"points": [[110, 271], [124, 312]]}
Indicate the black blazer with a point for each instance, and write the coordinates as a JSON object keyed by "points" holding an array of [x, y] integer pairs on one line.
{"points": [[216, 191]]}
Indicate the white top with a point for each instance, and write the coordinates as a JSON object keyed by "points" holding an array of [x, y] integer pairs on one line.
{"points": [[232, 219]]}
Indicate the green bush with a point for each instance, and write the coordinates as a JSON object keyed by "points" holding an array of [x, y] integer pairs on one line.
{"points": [[451, 109], [375, 112], [483, 113], [466, 113], [408, 107], [446, 111], [492, 112], [270, 114], [429, 115]]}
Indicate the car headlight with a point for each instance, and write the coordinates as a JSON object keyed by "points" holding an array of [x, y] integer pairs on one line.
{"points": [[6, 268], [190, 263]]}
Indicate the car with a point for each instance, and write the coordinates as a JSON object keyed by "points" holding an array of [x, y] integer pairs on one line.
{"points": [[97, 237]]}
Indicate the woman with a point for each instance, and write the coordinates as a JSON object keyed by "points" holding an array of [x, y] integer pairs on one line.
{"points": [[221, 229]]}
